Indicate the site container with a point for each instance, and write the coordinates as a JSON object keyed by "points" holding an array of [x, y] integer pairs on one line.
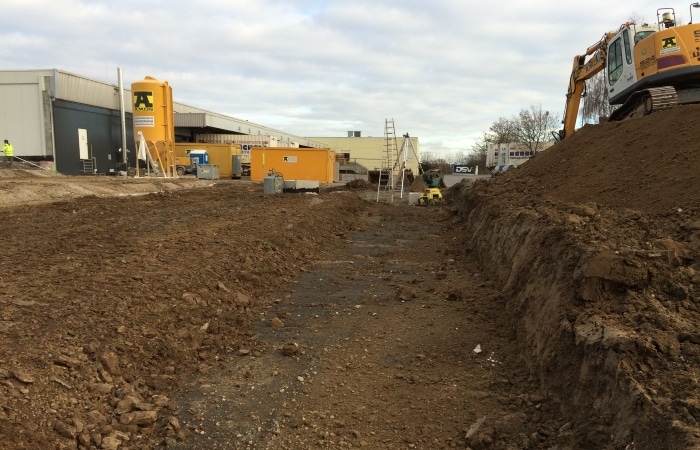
{"points": [[293, 163], [221, 155], [208, 171]]}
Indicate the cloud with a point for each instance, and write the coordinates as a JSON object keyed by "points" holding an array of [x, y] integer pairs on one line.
{"points": [[443, 70]]}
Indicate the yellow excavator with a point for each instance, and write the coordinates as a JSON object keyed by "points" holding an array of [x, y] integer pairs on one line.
{"points": [[647, 67]]}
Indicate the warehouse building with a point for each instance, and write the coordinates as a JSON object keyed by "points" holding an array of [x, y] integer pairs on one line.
{"points": [[358, 155], [75, 123], [79, 126]]}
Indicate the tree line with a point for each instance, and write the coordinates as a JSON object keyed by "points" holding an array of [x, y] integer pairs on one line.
{"points": [[532, 127]]}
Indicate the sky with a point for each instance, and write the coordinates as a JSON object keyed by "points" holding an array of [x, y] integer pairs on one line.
{"points": [[442, 70]]}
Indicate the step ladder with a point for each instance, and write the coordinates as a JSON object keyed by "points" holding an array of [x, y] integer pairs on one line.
{"points": [[89, 166], [402, 181]]}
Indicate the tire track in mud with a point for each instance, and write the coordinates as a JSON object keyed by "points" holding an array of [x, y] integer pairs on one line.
{"points": [[377, 350]]}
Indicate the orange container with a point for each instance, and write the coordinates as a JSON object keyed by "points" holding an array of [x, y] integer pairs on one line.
{"points": [[293, 163]]}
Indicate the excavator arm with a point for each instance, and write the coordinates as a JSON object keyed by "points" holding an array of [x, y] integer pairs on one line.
{"points": [[583, 70]]}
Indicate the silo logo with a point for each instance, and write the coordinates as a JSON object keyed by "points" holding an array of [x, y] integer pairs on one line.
{"points": [[143, 101]]}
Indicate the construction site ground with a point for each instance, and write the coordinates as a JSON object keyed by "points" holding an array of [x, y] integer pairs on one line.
{"points": [[552, 307]]}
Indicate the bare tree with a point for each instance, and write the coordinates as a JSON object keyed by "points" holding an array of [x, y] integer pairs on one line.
{"points": [[532, 127], [504, 130], [460, 157], [595, 100], [430, 160], [480, 148], [535, 127]]}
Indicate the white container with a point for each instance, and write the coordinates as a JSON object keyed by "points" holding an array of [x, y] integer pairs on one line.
{"points": [[413, 197]]}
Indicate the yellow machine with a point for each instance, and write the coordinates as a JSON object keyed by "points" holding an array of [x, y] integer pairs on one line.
{"points": [[648, 67], [430, 196]]}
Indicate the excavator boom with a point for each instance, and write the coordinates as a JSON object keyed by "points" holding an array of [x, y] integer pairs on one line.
{"points": [[582, 70]]}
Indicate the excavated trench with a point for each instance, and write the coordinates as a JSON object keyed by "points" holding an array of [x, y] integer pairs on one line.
{"points": [[592, 293]]}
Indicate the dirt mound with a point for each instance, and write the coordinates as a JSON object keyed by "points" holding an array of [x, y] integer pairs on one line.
{"points": [[33, 186], [359, 184], [24, 173], [649, 164], [596, 244]]}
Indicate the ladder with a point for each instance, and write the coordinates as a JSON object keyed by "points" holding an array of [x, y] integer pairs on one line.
{"points": [[391, 150], [388, 170], [385, 188], [89, 166]]}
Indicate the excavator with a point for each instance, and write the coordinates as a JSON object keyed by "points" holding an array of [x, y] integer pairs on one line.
{"points": [[647, 67]]}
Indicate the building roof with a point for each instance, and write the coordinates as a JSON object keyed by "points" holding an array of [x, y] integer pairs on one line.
{"points": [[80, 89]]}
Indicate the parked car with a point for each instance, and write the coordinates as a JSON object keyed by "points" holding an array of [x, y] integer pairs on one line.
{"points": [[501, 169]]}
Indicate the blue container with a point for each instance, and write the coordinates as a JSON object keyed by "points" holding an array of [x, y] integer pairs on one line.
{"points": [[198, 157]]}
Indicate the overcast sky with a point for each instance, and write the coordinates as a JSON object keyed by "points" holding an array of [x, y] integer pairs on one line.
{"points": [[444, 70]]}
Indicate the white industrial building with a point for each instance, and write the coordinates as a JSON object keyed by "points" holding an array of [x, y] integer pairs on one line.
{"points": [[513, 153]]}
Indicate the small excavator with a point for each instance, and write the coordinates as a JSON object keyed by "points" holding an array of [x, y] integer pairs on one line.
{"points": [[648, 67], [432, 181], [430, 197]]}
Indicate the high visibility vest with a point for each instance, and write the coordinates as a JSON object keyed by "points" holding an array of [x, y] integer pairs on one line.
{"points": [[8, 149]]}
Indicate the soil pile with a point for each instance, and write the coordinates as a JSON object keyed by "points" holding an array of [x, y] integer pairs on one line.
{"points": [[108, 303], [650, 164], [596, 242]]}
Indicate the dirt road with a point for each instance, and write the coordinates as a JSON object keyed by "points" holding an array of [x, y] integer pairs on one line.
{"points": [[387, 343], [223, 318]]}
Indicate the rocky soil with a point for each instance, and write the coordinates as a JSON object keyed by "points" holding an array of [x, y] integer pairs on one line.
{"points": [[554, 307], [596, 244]]}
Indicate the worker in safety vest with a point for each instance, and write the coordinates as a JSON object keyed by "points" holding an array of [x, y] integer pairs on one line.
{"points": [[9, 152]]}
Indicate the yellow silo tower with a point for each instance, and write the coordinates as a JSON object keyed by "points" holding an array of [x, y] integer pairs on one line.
{"points": [[154, 122]]}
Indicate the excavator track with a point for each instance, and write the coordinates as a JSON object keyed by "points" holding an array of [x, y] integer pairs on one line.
{"points": [[645, 102]]}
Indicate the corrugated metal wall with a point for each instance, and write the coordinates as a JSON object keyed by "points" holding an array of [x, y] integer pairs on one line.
{"points": [[255, 140], [22, 113], [75, 88]]}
